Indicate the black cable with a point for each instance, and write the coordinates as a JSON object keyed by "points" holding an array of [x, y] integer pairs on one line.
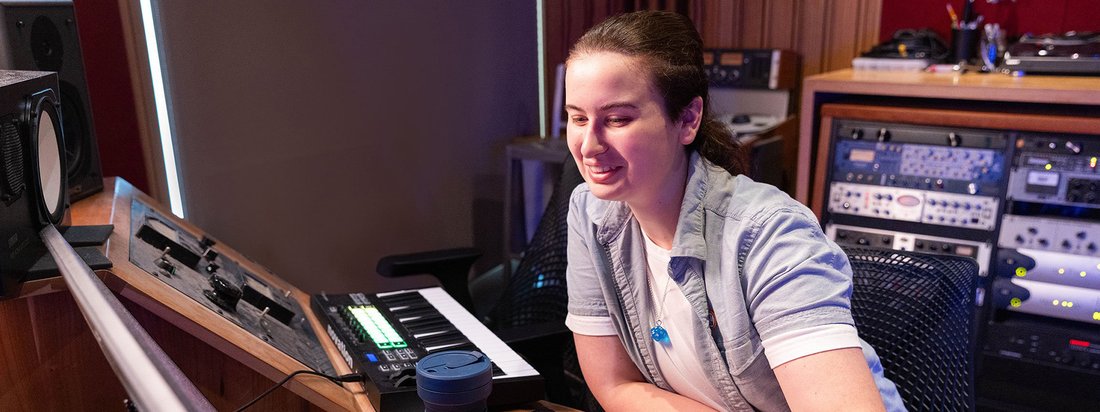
{"points": [[351, 377]]}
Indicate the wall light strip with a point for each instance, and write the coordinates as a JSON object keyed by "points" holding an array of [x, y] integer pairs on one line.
{"points": [[540, 37], [167, 144]]}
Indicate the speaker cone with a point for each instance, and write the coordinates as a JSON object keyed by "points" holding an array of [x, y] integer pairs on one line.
{"points": [[47, 141], [73, 122], [46, 45]]}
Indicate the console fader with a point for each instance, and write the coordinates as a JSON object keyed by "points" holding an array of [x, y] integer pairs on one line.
{"points": [[192, 265]]}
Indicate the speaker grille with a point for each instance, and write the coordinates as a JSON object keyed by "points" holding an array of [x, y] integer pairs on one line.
{"points": [[12, 151]]}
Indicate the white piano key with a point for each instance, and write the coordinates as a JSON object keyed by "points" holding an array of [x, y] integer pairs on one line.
{"points": [[485, 340]]}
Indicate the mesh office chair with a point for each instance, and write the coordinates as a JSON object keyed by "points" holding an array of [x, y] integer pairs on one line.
{"points": [[530, 312], [917, 310]]}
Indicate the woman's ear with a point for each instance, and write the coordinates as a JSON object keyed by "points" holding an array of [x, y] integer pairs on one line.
{"points": [[690, 119]]}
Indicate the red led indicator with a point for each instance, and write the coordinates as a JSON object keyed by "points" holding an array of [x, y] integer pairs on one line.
{"points": [[1080, 343]]}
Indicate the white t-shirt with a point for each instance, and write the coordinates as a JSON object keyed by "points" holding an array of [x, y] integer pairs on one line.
{"points": [[678, 362]]}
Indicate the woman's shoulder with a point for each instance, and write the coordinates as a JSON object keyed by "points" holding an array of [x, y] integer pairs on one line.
{"points": [[759, 202]]}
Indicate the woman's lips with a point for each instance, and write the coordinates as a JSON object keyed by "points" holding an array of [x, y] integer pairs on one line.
{"points": [[602, 174]]}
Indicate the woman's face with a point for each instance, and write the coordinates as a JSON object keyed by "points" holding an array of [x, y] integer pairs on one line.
{"points": [[625, 145]]}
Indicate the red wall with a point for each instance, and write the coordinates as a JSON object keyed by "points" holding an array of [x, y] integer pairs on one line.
{"points": [[1016, 17], [113, 105]]}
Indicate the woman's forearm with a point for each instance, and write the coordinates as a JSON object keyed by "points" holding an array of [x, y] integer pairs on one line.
{"points": [[644, 396]]}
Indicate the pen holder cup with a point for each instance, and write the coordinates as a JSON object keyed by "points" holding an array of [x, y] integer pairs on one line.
{"points": [[964, 45]]}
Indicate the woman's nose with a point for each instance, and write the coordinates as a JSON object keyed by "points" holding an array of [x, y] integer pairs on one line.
{"points": [[592, 141]]}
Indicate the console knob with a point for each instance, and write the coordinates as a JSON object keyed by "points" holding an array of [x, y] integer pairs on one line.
{"points": [[857, 134], [883, 134], [163, 263], [1073, 147], [953, 139], [223, 293]]}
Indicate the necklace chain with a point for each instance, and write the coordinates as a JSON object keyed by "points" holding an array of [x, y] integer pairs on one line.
{"points": [[661, 302], [658, 332]]}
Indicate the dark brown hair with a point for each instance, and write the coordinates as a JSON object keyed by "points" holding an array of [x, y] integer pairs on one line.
{"points": [[672, 52]]}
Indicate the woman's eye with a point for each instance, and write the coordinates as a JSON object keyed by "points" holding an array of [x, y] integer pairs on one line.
{"points": [[618, 121], [579, 120]]}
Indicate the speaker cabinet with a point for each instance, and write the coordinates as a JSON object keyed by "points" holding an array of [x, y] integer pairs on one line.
{"points": [[42, 36], [32, 170]]}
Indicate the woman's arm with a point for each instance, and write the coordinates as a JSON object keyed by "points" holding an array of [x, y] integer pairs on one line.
{"points": [[618, 384], [829, 381]]}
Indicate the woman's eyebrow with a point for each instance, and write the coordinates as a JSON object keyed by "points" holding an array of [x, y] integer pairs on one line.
{"points": [[609, 106]]}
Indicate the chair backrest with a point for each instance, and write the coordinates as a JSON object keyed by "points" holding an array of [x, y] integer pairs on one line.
{"points": [[536, 291], [917, 310]]}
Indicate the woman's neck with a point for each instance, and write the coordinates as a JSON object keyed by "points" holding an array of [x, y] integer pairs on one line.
{"points": [[658, 218]]}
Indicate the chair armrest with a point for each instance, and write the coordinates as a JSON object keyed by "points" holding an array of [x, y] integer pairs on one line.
{"points": [[450, 266]]}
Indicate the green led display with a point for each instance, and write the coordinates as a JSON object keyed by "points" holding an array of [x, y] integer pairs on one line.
{"points": [[376, 326]]}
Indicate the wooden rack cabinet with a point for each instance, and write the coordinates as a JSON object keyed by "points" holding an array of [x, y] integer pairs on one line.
{"points": [[1072, 99]]}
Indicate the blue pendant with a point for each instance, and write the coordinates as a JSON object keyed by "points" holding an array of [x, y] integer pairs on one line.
{"points": [[659, 334]]}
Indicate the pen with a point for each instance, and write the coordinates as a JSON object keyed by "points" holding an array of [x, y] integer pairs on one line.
{"points": [[968, 7], [954, 17], [977, 22]]}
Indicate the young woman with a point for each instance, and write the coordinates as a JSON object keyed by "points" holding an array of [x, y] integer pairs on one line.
{"points": [[691, 286]]}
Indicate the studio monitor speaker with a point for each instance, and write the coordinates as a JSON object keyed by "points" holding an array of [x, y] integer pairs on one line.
{"points": [[42, 36], [32, 169]]}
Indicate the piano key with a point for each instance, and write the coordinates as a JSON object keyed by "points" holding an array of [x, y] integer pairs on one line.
{"points": [[481, 337], [433, 333], [421, 323], [413, 308], [446, 338]]}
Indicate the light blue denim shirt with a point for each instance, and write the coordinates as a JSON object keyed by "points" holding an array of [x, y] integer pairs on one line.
{"points": [[744, 250]]}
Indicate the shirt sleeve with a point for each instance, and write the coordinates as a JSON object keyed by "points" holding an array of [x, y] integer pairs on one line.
{"points": [[795, 277], [788, 346], [585, 294], [590, 325]]}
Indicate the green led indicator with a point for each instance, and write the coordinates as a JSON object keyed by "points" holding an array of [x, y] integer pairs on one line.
{"points": [[1021, 272], [1015, 302], [370, 320], [386, 328]]}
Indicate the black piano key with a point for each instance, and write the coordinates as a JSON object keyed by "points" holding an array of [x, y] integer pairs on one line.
{"points": [[402, 298], [427, 312], [443, 339], [428, 333], [415, 325], [402, 310]]}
